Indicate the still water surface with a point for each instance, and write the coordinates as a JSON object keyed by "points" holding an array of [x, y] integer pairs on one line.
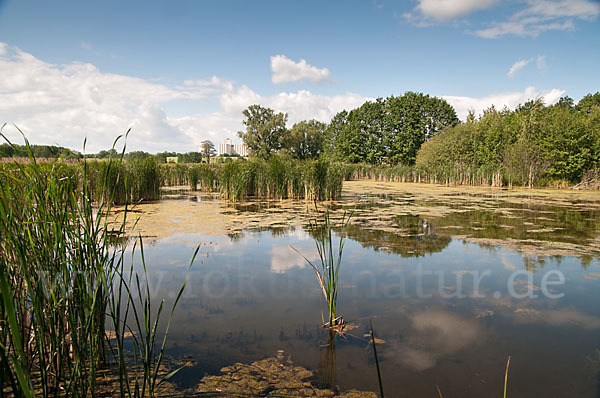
{"points": [[453, 282]]}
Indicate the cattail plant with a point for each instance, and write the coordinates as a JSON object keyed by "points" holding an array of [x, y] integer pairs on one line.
{"points": [[330, 260], [62, 283]]}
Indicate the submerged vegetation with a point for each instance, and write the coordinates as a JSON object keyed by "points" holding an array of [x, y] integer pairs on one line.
{"points": [[63, 284]]}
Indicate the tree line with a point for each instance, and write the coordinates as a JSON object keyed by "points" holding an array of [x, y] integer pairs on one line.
{"points": [[534, 144], [207, 151], [384, 131], [39, 151]]}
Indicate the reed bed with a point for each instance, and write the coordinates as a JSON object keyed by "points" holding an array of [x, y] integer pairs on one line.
{"points": [[279, 178], [124, 182], [457, 175], [67, 299], [276, 178], [141, 180], [174, 174], [203, 174], [449, 176]]}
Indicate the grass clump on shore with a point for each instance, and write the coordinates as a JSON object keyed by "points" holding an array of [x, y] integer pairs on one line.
{"points": [[203, 174], [174, 174], [276, 178]]}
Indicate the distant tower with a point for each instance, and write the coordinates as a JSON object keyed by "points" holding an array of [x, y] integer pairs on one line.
{"points": [[226, 147], [241, 149]]}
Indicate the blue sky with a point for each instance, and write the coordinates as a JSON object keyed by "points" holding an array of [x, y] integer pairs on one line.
{"points": [[179, 72]]}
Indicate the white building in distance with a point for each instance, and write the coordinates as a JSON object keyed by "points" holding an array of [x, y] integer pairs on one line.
{"points": [[227, 148]]}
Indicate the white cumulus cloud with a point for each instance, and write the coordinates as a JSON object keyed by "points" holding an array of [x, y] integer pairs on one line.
{"points": [[286, 70], [301, 105], [64, 104], [446, 10], [500, 100], [543, 15], [518, 65]]}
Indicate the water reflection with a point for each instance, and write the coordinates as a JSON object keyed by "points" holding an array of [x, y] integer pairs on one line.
{"points": [[409, 236], [250, 295], [407, 219], [327, 364], [284, 259]]}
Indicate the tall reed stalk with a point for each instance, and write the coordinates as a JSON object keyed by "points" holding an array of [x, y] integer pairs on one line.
{"points": [[377, 359], [330, 260], [506, 376]]}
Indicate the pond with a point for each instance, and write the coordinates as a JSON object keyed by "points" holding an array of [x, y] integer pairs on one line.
{"points": [[454, 279]]}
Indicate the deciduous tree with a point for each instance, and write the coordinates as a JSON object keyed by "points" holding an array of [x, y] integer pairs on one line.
{"points": [[305, 139], [388, 130], [264, 130]]}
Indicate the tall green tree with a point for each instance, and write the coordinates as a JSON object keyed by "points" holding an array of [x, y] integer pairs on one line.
{"points": [[265, 130], [161, 157], [305, 139], [388, 130], [588, 102], [566, 101], [6, 151], [534, 144], [344, 139], [107, 153], [136, 155]]}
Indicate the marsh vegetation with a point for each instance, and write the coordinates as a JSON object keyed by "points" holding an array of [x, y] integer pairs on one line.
{"points": [[70, 305]]}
